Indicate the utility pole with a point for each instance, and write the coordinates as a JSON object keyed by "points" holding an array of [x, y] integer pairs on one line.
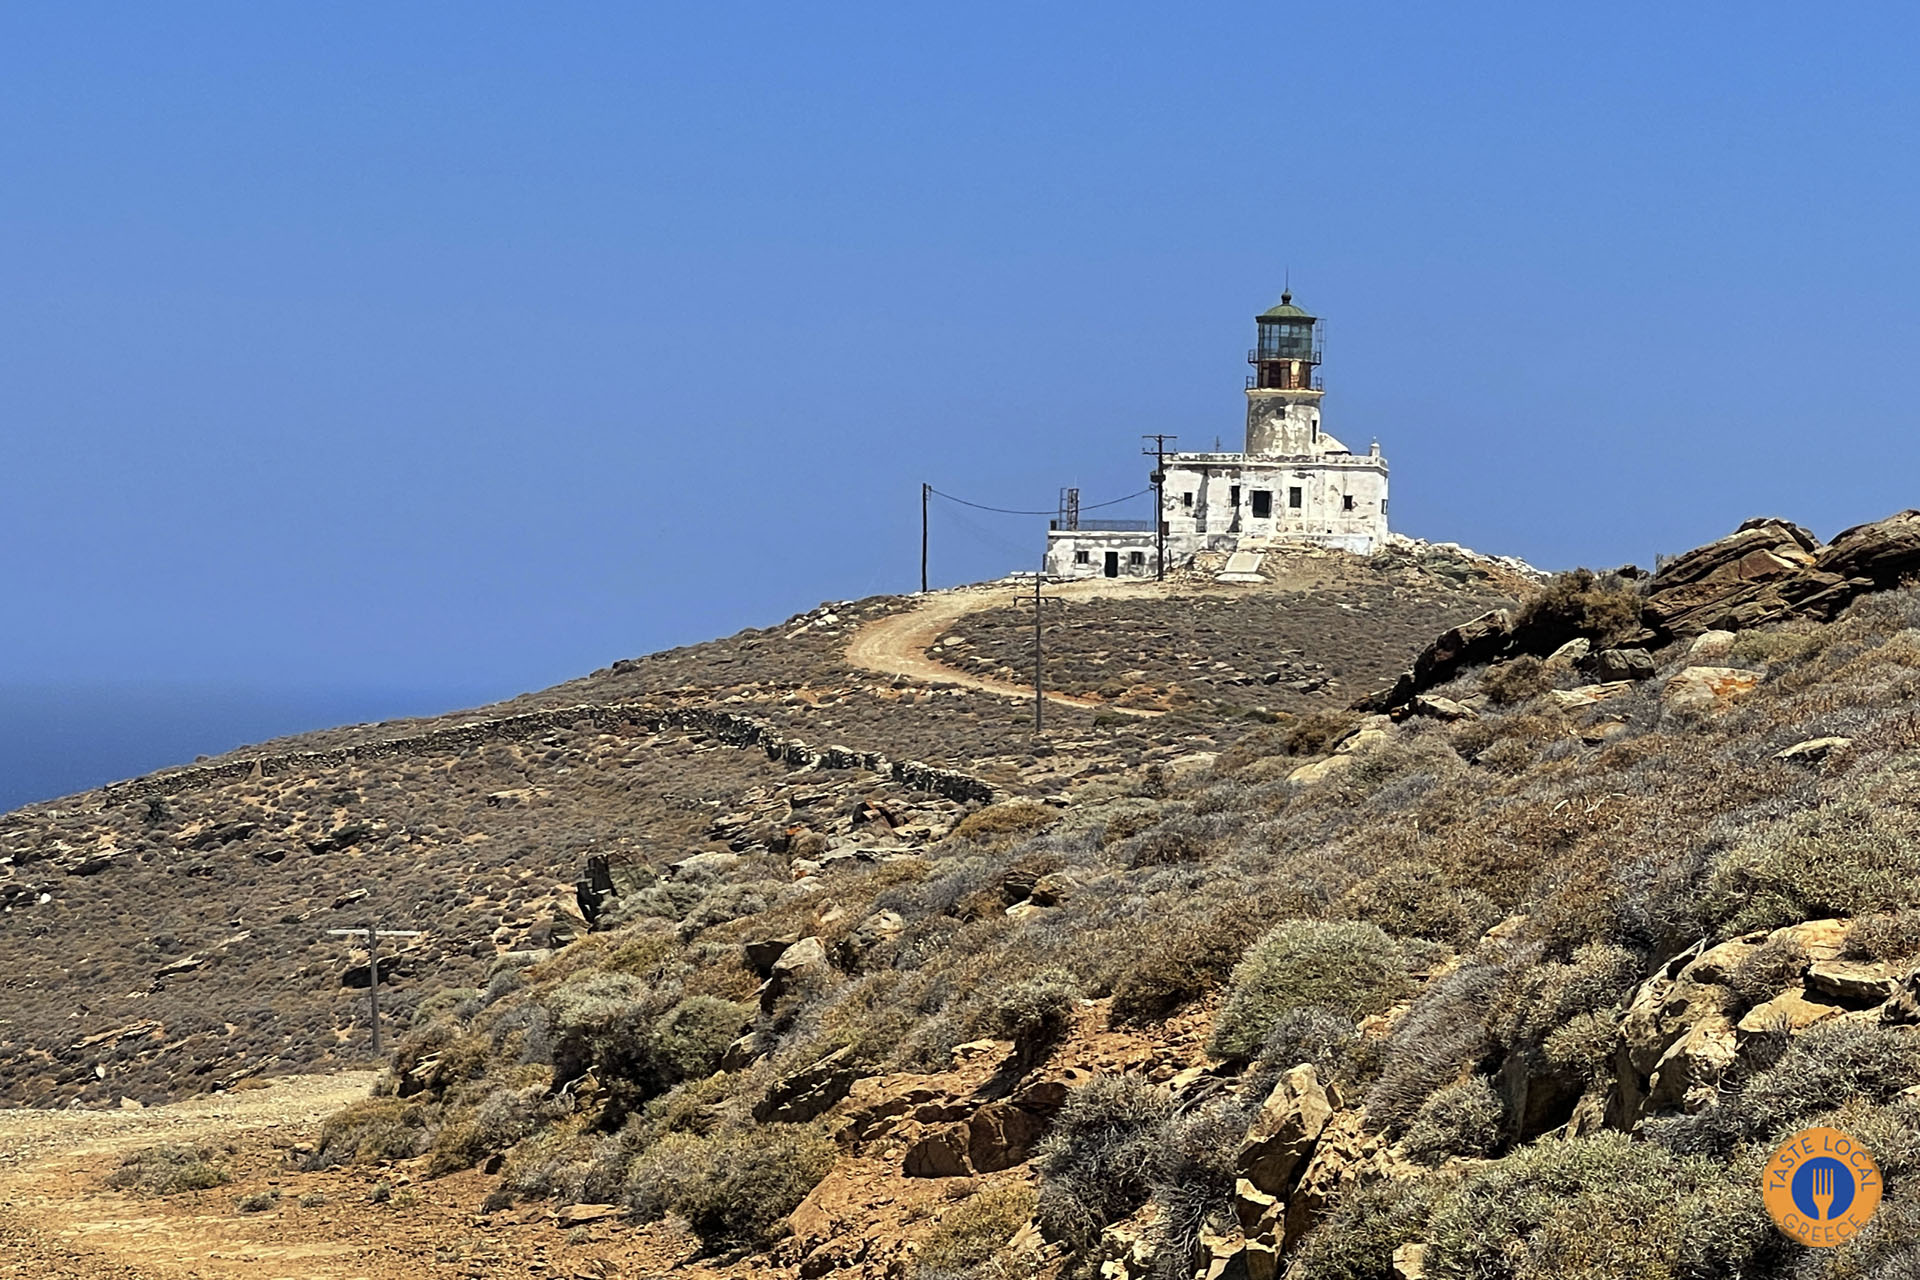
{"points": [[1159, 452], [1039, 693], [925, 489], [374, 934]]}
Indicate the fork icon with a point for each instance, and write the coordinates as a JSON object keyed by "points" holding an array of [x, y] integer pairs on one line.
{"points": [[1823, 1191]]}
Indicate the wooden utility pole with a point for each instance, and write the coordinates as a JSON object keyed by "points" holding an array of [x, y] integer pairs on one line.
{"points": [[374, 934], [925, 489], [1039, 693], [1159, 452]]}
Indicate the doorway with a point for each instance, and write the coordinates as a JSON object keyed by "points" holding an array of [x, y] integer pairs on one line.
{"points": [[1113, 564]]}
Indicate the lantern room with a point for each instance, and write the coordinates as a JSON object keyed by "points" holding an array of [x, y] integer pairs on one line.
{"points": [[1288, 354]]}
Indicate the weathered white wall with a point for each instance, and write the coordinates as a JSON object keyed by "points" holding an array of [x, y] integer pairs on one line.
{"points": [[1063, 544], [1201, 503], [1283, 423]]}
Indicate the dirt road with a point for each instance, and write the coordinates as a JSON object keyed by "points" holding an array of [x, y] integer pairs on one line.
{"points": [[58, 1220], [897, 645]]}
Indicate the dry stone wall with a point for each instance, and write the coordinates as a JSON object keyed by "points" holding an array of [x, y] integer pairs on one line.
{"points": [[728, 727]]}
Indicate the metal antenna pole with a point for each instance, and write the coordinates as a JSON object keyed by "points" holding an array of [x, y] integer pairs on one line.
{"points": [[925, 489]]}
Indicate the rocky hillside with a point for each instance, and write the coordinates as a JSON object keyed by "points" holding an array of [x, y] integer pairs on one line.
{"points": [[1515, 965], [171, 934]]}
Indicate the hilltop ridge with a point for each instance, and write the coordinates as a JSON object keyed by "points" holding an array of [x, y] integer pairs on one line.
{"points": [[1393, 916]]}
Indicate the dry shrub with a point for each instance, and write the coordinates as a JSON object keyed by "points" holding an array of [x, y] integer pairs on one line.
{"points": [[1460, 1120], [973, 1231], [1600, 1207], [1888, 936], [1767, 970], [1516, 680], [733, 1187], [1096, 1164], [1412, 899], [1182, 963], [1853, 857], [1348, 967], [167, 1168], [369, 1132], [1603, 608], [1000, 825]]}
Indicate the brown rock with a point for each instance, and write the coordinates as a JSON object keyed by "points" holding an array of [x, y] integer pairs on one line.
{"points": [[1708, 688], [1852, 982], [1884, 551], [941, 1154], [809, 1092], [1283, 1134]]}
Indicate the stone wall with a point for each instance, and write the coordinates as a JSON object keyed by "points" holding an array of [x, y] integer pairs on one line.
{"points": [[728, 727]]}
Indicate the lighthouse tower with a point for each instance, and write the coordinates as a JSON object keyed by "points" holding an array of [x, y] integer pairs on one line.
{"points": [[1284, 391]]}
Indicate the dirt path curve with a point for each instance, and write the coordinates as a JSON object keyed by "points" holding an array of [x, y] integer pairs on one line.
{"points": [[897, 645], [57, 1220]]}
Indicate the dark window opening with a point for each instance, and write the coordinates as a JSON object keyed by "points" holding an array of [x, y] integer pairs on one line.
{"points": [[1262, 504], [1346, 502], [1383, 506], [1293, 497], [1081, 557], [1234, 499], [1186, 500], [1137, 558]]}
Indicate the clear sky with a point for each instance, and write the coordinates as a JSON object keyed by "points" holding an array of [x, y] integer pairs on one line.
{"points": [[434, 352]]}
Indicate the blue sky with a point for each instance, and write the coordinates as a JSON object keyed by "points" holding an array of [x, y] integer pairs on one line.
{"points": [[445, 351]]}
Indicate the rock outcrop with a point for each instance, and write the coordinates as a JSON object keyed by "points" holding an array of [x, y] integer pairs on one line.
{"points": [[1766, 571]]}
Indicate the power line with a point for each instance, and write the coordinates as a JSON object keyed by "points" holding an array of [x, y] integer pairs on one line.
{"points": [[1008, 511]]}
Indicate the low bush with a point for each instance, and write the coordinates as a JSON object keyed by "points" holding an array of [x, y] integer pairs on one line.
{"points": [[733, 1187], [258, 1201], [1767, 970], [369, 1132], [1853, 857], [1096, 1164], [1460, 1120], [1035, 1014], [1000, 825], [1348, 967], [1182, 963], [1412, 899], [1515, 681], [1603, 1207], [1602, 607], [689, 1040], [167, 1168], [1888, 936], [973, 1231]]}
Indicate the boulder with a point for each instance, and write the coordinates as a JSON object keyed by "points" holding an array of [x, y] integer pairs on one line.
{"points": [[941, 1154], [800, 962], [1853, 982], [762, 953], [1428, 704], [1711, 646], [1623, 664], [1883, 552], [1707, 688], [1282, 1136], [1588, 694], [1790, 1011], [1813, 750], [809, 1092]]}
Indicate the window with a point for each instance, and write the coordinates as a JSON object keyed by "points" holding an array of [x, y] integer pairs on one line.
{"points": [[1293, 497], [1081, 557], [1136, 559], [1234, 497], [1346, 502], [1186, 500], [1262, 504], [1383, 506]]}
